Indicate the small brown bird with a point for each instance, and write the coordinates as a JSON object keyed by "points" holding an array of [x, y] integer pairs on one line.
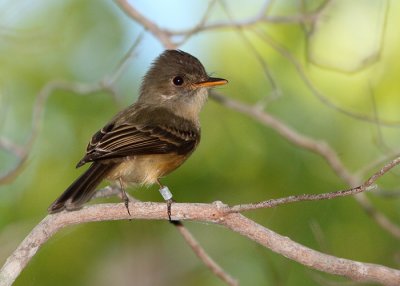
{"points": [[150, 138]]}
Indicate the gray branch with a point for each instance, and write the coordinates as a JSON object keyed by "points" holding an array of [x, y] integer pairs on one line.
{"points": [[216, 213]]}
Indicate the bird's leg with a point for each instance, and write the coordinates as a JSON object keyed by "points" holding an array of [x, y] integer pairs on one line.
{"points": [[124, 196], [167, 195]]}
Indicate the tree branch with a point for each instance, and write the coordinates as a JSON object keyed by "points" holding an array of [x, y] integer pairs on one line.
{"points": [[217, 213], [159, 33]]}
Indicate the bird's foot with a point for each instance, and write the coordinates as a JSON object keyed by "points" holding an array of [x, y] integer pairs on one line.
{"points": [[126, 201], [167, 195]]}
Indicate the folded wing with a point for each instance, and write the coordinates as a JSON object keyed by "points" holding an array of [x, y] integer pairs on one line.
{"points": [[124, 140]]}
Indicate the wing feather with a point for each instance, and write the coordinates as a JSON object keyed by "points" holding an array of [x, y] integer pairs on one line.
{"points": [[113, 142]]}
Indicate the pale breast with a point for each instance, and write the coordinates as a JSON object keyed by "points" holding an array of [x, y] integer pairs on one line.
{"points": [[145, 169]]}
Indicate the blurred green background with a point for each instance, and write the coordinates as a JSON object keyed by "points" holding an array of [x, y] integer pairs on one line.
{"points": [[351, 55]]}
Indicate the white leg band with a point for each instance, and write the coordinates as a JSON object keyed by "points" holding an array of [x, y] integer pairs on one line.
{"points": [[166, 194]]}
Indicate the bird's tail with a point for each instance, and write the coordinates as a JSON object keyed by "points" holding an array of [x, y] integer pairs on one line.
{"points": [[82, 189]]}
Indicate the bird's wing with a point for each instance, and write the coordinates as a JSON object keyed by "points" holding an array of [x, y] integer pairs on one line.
{"points": [[113, 142]]}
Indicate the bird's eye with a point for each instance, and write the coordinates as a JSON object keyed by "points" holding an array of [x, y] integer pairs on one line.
{"points": [[178, 80]]}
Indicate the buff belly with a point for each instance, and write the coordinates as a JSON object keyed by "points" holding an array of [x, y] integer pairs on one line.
{"points": [[145, 169]]}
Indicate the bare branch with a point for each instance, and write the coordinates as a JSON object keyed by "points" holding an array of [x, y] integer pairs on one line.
{"points": [[377, 216], [19, 152], [165, 35], [11, 147], [261, 17], [203, 256], [9, 175], [298, 198], [264, 65], [212, 213], [158, 32], [367, 185], [109, 81], [203, 20]]}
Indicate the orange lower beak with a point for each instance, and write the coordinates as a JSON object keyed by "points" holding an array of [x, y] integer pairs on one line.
{"points": [[210, 82]]}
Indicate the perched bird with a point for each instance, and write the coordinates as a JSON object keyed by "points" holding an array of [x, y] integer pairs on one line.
{"points": [[150, 138]]}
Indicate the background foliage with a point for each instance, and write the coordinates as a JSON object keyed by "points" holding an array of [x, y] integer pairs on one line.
{"points": [[238, 160]]}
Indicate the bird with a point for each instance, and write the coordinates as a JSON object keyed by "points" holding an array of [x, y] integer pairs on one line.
{"points": [[150, 138]]}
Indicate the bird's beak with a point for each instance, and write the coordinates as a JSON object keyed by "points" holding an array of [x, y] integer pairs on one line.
{"points": [[210, 82]]}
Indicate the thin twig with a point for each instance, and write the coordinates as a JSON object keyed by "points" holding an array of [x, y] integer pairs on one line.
{"points": [[123, 63], [387, 194], [376, 163], [19, 152], [11, 147], [264, 65], [263, 35], [203, 255], [199, 25], [367, 185], [152, 27], [297, 198], [11, 174], [261, 17]]}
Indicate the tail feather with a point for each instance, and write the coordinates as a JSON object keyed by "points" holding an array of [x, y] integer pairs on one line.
{"points": [[82, 189]]}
